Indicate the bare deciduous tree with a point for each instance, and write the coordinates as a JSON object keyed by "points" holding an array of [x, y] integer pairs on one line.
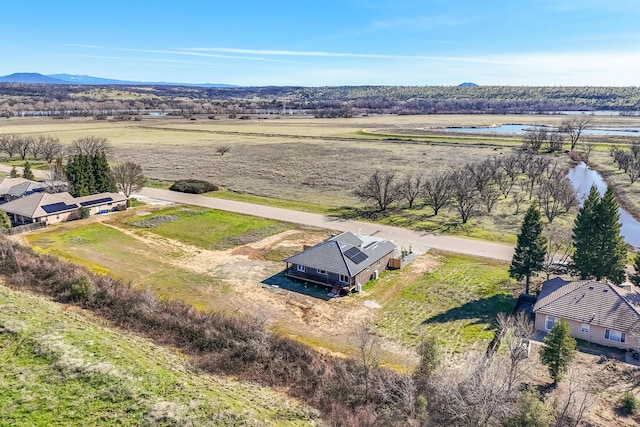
{"points": [[464, 194], [380, 188], [369, 355], [437, 191], [517, 332], [223, 149], [411, 188], [587, 149], [50, 147], [129, 177], [89, 146], [22, 144], [489, 196], [555, 141], [574, 127], [535, 137], [480, 173], [559, 247], [556, 195], [518, 198]]}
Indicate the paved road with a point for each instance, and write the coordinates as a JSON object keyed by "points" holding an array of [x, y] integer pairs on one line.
{"points": [[417, 241]]}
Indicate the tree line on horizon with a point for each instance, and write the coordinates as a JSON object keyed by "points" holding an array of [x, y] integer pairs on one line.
{"points": [[330, 101]]}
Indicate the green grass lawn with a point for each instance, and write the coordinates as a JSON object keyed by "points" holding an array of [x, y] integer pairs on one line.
{"points": [[105, 250], [458, 302], [212, 229], [59, 367]]}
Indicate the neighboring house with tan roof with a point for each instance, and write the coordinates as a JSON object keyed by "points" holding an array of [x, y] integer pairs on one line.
{"points": [[598, 312], [13, 188], [343, 263], [59, 207]]}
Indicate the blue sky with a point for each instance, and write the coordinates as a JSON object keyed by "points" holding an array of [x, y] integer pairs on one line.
{"points": [[328, 42]]}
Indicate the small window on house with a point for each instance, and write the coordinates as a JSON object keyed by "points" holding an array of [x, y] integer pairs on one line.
{"points": [[550, 321], [584, 328], [300, 268], [321, 271], [613, 335], [344, 279], [378, 264]]}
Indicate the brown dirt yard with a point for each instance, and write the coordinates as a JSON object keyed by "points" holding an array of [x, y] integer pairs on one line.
{"points": [[251, 284]]}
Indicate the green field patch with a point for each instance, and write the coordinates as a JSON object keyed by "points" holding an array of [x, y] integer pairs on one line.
{"points": [[106, 250], [458, 302], [58, 367], [212, 229]]}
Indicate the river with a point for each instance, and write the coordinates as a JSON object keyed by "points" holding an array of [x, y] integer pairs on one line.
{"points": [[520, 129], [582, 178]]}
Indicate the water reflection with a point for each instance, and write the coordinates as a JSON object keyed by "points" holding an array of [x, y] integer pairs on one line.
{"points": [[582, 178]]}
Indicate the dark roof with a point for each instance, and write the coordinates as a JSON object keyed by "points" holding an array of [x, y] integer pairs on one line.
{"points": [[586, 301], [347, 237], [96, 202], [58, 207], [331, 255]]}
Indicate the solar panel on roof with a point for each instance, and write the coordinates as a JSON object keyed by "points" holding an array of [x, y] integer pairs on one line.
{"points": [[355, 255], [57, 207], [96, 202]]}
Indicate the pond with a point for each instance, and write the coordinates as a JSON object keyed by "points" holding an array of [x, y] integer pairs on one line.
{"points": [[520, 129], [582, 178]]}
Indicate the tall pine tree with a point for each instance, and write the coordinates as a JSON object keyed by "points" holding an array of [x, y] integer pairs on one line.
{"points": [[529, 253], [599, 250], [27, 173], [635, 277]]}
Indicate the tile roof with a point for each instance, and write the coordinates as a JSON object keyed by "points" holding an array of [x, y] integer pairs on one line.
{"points": [[586, 301], [330, 255]]}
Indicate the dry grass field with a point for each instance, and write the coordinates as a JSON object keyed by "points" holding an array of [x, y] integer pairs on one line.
{"points": [[319, 161], [316, 160]]}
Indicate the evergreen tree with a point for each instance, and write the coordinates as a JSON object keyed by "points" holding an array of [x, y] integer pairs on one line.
{"points": [[599, 250], [5, 222], [104, 182], [635, 277], [13, 173], [613, 249], [559, 350], [76, 176], [531, 248], [27, 173]]}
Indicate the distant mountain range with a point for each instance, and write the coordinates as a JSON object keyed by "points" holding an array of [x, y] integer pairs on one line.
{"points": [[65, 79]]}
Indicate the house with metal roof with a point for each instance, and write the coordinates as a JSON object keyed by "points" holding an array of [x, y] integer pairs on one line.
{"points": [[343, 263], [59, 207], [598, 312]]}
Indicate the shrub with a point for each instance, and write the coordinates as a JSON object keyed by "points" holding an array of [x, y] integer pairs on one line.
{"points": [[84, 212], [80, 289], [193, 186], [629, 403]]}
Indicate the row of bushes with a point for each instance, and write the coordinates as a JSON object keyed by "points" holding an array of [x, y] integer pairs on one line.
{"points": [[344, 392]]}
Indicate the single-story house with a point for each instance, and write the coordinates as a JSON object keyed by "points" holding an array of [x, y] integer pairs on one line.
{"points": [[343, 263], [13, 188], [598, 312], [59, 207]]}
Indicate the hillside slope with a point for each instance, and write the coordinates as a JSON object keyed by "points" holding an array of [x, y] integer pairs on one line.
{"points": [[60, 366]]}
